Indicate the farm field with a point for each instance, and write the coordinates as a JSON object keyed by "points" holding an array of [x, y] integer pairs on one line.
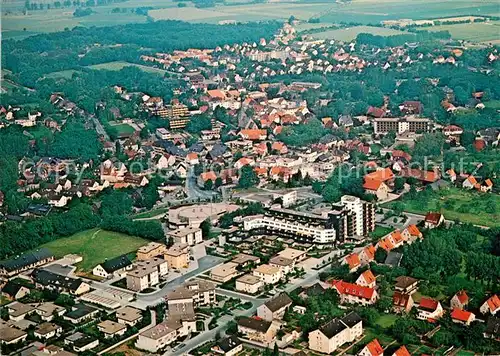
{"points": [[118, 65], [95, 246], [349, 34], [474, 32], [466, 206]]}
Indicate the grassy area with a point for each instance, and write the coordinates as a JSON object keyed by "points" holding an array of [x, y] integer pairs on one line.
{"points": [[349, 34], [380, 231], [474, 32], [118, 65], [466, 206], [124, 129], [386, 320], [492, 104], [95, 246], [149, 214]]}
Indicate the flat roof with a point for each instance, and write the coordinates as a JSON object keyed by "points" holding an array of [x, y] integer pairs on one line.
{"points": [[128, 313], [248, 279], [184, 232]]}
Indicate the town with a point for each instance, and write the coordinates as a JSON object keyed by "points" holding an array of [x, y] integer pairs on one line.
{"points": [[290, 196]]}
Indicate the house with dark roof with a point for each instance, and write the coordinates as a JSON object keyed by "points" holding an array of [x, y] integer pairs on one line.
{"points": [[25, 261], [114, 267], [228, 346], [314, 290], [274, 308], [330, 336], [406, 284], [433, 220], [44, 279], [13, 291], [80, 312], [258, 329]]}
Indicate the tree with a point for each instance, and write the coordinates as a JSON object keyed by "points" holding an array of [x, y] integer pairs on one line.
{"points": [[206, 227], [208, 185], [248, 177], [399, 183], [380, 255]]}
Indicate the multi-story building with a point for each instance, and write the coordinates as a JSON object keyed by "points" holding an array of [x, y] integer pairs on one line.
{"points": [[163, 334], [199, 293], [257, 329], [224, 272], [176, 113], [152, 249], [336, 333], [274, 308], [267, 274], [353, 294], [249, 284], [350, 217], [177, 256], [410, 123], [189, 236], [146, 274]]}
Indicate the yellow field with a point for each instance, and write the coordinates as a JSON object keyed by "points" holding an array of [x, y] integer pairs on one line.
{"points": [[474, 32]]}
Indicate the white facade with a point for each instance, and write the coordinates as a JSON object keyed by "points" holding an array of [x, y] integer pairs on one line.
{"points": [[355, 205]]}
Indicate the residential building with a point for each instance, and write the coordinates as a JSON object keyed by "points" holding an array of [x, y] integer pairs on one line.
{"points": [[18, 311], [367, 254], [146, 274], [85, 343], [373, 348], [111, 329], [336, 333], [47, 330], [491, 306], [128, 316], [13, 291], [398, 125], [48, 310], [224, 272], [243, 259], [353, 294], [274, 308], [293, 254], [433, 220], [44, 279], [402, 302], [152, 249], [177, 256], [198, 292], [10, 336], [161, 335], [402, 351], [366, 279], [429, 309], [285, 265], [80, 312], [267, 274], [352, 261], [249, 284], [25, 261], [460, 300], [116, 267], [257, 329], [462, 316], [405, 284], [361, 217], [187, 236], [228, 346]]}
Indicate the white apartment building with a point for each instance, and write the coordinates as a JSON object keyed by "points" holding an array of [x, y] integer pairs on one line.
{"points": [[249, 284], [355, 206], [267, 274], [146, 274], [189, 236]]}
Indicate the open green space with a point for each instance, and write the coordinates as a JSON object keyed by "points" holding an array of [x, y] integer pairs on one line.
{"points": [[474, 32], [467, 206], [386, 320], [350, 33], [380, 231], [95, 246], [118, 65], [152, 213], [123, 129]]}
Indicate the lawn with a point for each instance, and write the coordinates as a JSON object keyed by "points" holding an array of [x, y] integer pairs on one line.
{"points": [[473, 32], [466, 206], [492, 104], [350, 33], [95, 246], [380, 231], [386, 320], [152, 213], [118, 65]]}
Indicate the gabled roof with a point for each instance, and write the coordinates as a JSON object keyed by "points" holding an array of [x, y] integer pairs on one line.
{"points": [[428, 304], [279, 302], [370, 251], [402, 351], [413, 230], [401, 299], [368, 276], [254, 323], [381, 175], [462, 297], [372, 184], [116, 263], [433, 217], [353, 289], [11, 288], [404, 282], [493, 303], [459, 314], [26, 259], [352, 260], [374, 348], [228, 343], [46, 278]]}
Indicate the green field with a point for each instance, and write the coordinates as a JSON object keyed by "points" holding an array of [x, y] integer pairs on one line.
{"points": [[349, 34], [118, 65], [473, 32], [95, 246], [124, 129], [15, 24], [468, 206], [386, 320]]}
